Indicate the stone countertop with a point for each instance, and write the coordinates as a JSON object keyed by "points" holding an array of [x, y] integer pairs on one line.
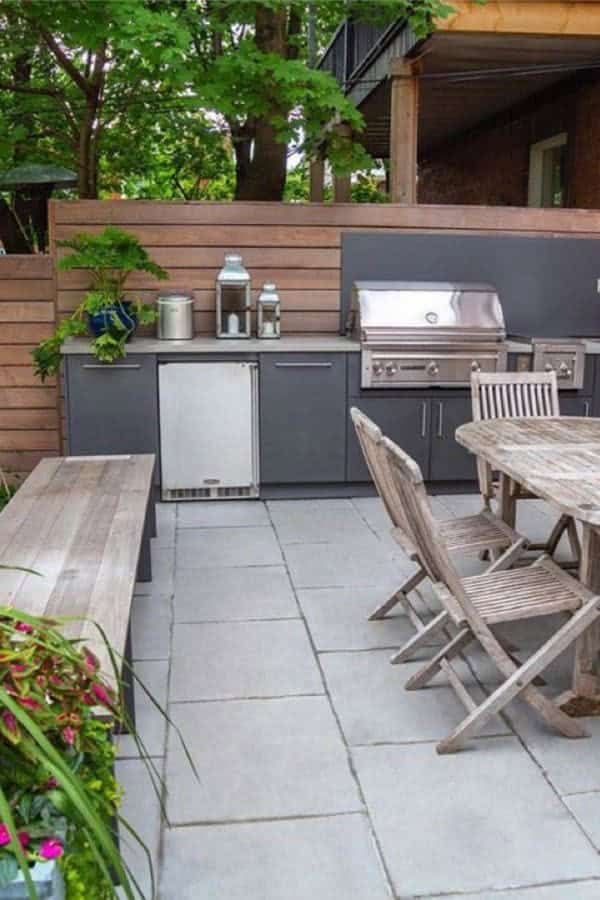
{"points": [[204, 344]]}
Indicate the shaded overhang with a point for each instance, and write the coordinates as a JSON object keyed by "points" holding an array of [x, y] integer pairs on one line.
{"points": [[468, 77]]}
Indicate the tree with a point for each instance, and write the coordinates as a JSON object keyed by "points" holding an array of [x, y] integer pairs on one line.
{"points": [[158, 95]]}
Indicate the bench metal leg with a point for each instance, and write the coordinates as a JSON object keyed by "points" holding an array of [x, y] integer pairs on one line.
{"points": [[128, 685], [144, 569]]}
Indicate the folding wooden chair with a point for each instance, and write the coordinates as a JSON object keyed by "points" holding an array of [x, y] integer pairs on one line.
{"points": [[475, 603], [469, 535], [512, 395]]}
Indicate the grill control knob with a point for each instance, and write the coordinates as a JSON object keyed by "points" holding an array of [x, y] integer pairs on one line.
{"points": [[549, 367], [391, 368], [433, 368], [377, 368], [475, 366]]}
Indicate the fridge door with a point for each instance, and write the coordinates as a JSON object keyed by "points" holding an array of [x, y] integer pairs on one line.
{"points": [[208, 430]]}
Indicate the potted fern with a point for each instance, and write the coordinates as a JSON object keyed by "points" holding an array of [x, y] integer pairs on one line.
{"points": [[111, 257]]}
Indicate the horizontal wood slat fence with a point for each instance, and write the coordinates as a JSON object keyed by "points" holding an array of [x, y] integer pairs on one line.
{"points": [[29, 413], [295, 245]]}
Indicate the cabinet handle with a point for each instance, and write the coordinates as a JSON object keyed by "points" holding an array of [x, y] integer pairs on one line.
{"points": [[586, 407], [440, 429], [424, 419], [304, 365], [109, 366]]}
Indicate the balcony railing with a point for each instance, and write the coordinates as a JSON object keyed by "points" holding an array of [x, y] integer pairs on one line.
{"points": [[352, 45]]}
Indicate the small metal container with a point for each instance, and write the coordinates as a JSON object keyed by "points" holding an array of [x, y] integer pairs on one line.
{"points": [[175, 317]]}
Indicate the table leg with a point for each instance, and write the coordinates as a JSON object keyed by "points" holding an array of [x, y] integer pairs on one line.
{"points": [[586, 677], [507, 501]]}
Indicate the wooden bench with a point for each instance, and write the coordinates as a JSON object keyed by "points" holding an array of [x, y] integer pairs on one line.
{"points": [[84, 524]]}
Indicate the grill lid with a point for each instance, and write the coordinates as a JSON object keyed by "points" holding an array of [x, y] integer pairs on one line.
{"points": [[398, 311]]}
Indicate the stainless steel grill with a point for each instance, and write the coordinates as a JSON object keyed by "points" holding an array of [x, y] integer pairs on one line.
{"points": [[419, 334]]}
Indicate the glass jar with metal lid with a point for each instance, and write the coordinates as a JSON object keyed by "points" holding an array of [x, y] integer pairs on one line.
{"points": [[268, 322], [175, 321]]}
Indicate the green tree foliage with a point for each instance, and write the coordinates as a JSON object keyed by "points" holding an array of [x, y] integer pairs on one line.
{"points": [[188, 98]]}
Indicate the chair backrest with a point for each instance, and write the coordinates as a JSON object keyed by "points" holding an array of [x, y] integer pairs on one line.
{"points": [[510, 395], [514, 395], [407, 481], [370, 438]]}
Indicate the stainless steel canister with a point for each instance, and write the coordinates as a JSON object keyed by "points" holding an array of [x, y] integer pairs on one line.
{"points": [[175, 317]]}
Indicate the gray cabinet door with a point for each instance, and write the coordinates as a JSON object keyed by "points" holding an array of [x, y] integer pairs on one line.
{"points": [[406, 420], [573, 405], [112, 408], [450, 461], [302, 418]]}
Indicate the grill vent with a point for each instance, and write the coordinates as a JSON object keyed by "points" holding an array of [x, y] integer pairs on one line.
{"points": [[213, 493]]}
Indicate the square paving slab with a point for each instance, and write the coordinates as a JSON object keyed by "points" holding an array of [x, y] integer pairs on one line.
{"points": [[221, 514], [258, 759], [222, 594], [338, 618], [369, 697], [199, 548], [347, 564], [303, 859], [471, 821], [242, 659], [317, 521], [150, 723]]}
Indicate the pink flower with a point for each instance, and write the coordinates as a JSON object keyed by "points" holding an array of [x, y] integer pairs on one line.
{"points": [[29, 703], [24, 626], [10, 722], [51, 848], [90, 661], [101, 694], [69, 734], [51, 784], [24, 838]]}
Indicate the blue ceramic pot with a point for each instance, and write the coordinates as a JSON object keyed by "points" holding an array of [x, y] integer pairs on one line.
{"points": [[101, 322]]}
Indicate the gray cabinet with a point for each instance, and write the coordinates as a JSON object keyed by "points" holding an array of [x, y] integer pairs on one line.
{"points": [[449, 461], [574, 405], [302, 418], [112, 408], [405, 420]]}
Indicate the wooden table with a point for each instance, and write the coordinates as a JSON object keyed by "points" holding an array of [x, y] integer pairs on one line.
{"points": [[82, 523], [559, 461]]}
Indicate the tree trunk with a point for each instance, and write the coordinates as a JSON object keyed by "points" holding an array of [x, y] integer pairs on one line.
{"points": [[260, 158]]}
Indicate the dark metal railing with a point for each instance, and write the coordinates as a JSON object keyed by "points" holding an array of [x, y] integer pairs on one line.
{"points": [[349, 48]]}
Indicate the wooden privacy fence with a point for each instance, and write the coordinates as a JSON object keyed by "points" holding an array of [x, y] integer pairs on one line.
{"points": [[296, 245], [29, 419]]}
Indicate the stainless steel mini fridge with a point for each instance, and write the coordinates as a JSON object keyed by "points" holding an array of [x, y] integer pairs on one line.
{"points": [[208, 430]]}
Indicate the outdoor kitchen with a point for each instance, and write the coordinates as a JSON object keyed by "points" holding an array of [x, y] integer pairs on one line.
{"points": [[237, 415]]}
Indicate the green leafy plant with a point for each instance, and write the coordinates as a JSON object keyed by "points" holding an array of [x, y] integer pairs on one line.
{"points": [[110, 257], [59, 798]]}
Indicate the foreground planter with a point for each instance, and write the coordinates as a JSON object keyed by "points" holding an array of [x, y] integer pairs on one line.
{"points": [[48, 882]]}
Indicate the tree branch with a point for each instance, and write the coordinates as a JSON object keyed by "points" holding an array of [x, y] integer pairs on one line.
{"points": [[66, 64]]}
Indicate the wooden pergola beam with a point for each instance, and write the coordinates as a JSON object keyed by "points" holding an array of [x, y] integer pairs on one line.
{"points": [[565, 17], [404, 115]]}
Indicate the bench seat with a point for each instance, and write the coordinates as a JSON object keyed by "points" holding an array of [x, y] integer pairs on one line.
{"points": [[84, 524]]}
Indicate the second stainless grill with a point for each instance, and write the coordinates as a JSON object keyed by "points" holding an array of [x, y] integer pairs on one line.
{"points": [[417, 334]]}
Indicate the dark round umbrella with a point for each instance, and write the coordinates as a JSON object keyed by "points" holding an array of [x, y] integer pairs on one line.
{"points": [[32, 174]]}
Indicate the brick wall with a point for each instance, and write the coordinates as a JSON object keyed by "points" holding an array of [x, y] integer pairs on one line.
{"points": [[491, 164]]}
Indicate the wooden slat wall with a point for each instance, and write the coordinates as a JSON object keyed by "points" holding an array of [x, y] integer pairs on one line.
{"points": [[295, 245], [29, 417]]}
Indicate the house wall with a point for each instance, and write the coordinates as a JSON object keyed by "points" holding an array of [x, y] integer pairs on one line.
{"points": [[296, 245], [491, 164], [29, 420]]}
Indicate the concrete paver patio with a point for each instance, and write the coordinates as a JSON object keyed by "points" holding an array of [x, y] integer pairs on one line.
{"points": [[319, 778]]}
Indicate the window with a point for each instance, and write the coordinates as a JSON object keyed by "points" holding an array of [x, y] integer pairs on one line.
{"points": [[547, 183]]}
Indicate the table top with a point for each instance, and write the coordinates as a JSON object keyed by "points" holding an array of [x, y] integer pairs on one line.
{"points": [[558, 459], [78, 522]]}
